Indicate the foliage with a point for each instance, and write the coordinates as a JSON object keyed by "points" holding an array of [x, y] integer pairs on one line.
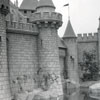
{"points": [[89, 66]]}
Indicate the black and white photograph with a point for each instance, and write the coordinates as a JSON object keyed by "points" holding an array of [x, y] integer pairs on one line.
{"points": [[49, 49]]}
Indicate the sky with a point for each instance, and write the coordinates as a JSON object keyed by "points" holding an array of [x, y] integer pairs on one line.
{"points": [[84, 15]]}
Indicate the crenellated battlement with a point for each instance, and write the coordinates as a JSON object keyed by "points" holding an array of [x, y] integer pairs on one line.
{"points": [[87, 37], [46, 17], [17, 26]]}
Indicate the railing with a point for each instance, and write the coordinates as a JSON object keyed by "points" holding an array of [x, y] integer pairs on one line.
{"points": [[21, 26]]}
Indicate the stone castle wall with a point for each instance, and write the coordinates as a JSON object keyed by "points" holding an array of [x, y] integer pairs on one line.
{"points": [[72, 59], [86, 47], [4, 76], [30, 59], [26, 52], [22, 61], [87, 43]]}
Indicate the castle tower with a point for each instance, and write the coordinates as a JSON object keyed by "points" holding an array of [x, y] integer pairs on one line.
{"points": [[4, 70], [99, 42], [48, 21], [28, 7], [70, 41]]}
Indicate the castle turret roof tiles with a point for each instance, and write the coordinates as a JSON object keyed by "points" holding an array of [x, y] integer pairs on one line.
{"points": [[69, 32], [29, 4], [43, 3]]}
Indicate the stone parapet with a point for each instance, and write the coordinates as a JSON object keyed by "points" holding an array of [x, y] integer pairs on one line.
{"points": [[47, 17], [87, 37], [28, 27]]}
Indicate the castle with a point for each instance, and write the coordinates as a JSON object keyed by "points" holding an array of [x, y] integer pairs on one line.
{"points": [[34, 60]]}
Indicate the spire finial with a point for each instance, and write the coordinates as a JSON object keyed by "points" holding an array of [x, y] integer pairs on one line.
{"points": [[68, 13], [16, 3]]}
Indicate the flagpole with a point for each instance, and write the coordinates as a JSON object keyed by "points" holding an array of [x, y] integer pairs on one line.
{"points": [[68, 13], [68, 10]]}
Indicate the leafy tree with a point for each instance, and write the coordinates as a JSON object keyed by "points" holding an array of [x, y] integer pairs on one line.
{"points": [[89, 66]]}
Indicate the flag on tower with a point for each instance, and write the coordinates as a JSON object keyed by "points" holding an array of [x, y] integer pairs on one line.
{"points": [[68, 10], [66, 4]]}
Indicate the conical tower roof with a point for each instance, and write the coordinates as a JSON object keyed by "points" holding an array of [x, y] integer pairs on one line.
{"points": [[29, 4], [47, 3], [69, 32]]}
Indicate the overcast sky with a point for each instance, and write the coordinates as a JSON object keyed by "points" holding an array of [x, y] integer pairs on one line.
{"points": [[84, 14]]}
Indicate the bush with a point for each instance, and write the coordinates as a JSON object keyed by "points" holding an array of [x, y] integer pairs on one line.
{"points": [[89, 66]]}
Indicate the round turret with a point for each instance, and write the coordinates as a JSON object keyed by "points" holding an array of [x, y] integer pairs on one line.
{"points": [[4, 7], [45, 15], [48, 21]]}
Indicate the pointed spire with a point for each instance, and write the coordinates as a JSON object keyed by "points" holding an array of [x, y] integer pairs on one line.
{"points": [[45, 3], [16, 3], [69, 32], [29, 4], [99, 24]]}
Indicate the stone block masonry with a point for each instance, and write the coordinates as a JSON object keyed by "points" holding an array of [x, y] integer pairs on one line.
{"points": [[23, 61], [4, 76], [72, 59], [49, 62]]}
